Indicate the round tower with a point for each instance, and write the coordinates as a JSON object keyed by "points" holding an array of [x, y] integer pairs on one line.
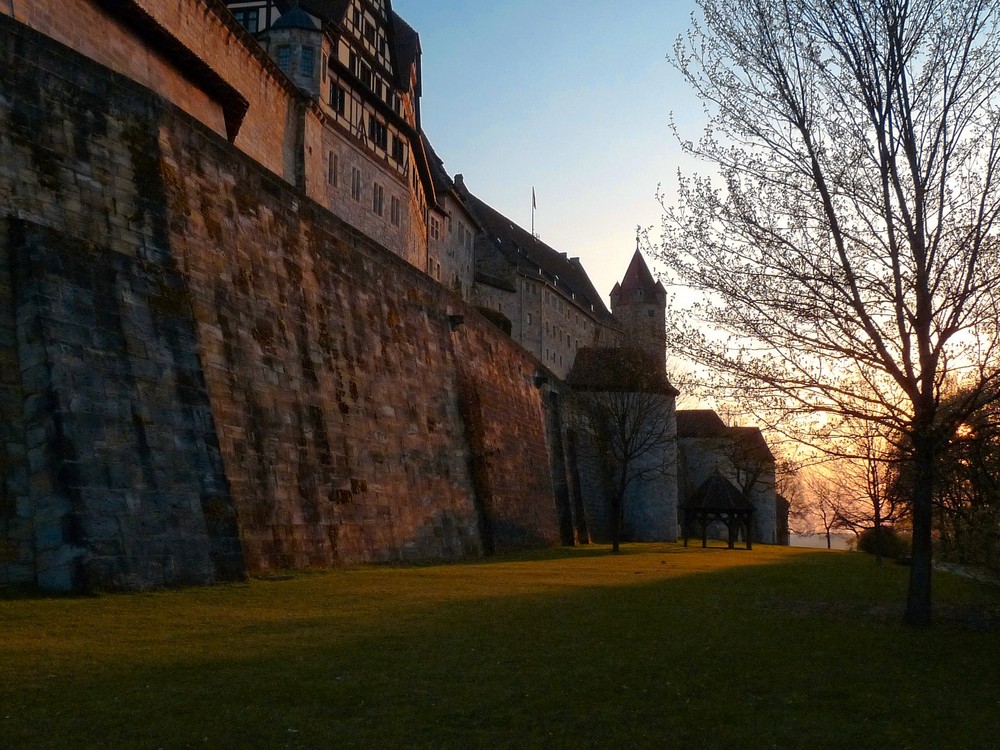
{"points": [[639, 305], [295, 42]]}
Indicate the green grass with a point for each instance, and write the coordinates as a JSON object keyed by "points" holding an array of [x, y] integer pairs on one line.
{"points": [[658, 647]]}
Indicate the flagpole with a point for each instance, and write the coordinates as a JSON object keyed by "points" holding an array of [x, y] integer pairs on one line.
{"points": [[532, 210]]}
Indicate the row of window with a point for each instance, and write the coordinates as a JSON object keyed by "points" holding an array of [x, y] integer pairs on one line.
{"points": [[368, 32], [357, 190], [378, 132], [554, 301], [372, 81], [555, 332]]}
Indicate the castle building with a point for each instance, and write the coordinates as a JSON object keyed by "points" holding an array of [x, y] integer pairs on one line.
{"points": [[230, 327], [357, 64], [553, 307], [453, 250]]}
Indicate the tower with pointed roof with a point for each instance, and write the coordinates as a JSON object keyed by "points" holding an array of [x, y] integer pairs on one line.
{"points": [[639, 306]]}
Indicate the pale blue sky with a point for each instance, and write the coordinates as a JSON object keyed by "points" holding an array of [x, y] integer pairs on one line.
{"points": [[572, 98]]}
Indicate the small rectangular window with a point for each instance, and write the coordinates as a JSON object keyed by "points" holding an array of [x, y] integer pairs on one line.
{"points": [[356, 183], [332, 169], [394, 211], [398, 151], [285, 57], [435, 228], [338, 98], [249, 18], [378, 195], [378, 133], [307, 60]]}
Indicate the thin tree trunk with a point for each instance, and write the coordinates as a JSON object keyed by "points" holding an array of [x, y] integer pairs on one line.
{"points": [[918, 596], [616, 528], [878, 532], [616, 521]]}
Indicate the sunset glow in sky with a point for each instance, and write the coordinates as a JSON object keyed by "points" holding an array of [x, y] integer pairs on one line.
{"points": [[571, 98]]}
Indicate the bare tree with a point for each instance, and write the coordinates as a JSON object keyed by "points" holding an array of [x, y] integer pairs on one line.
{"points": [[868, 492], [816, 511], [625, 406], [846, 247]]}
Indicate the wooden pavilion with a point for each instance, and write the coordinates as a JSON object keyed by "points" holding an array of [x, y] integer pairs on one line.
{"points": [[718, 499]]}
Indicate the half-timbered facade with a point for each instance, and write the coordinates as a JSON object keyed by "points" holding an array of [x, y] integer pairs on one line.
{"points": [[359, 64]]}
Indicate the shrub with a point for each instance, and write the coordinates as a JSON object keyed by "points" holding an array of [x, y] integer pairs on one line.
{"points": [[894, 545]]}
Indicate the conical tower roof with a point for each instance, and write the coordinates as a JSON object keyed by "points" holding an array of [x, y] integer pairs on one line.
{"points": [[639, 277]]}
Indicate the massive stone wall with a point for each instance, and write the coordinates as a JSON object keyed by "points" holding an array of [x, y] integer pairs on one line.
{"points": [[203, 372]]}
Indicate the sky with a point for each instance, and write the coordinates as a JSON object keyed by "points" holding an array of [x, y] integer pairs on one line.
{"points": [[571, 98]]}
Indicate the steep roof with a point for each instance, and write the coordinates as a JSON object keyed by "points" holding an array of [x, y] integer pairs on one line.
{"points": [[718, 494], [406, 44], [442, 180], [639, 278], [751, 444], [618, 370], [700, 423], [532, 257]]}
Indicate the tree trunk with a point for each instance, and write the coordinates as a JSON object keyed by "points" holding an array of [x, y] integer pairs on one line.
{"points": [[617, 511], [918, 596], [829, 542], [616, 524], [878, 532]]}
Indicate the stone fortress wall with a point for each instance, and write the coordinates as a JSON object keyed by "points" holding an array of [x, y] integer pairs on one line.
{"points": [[205, 373]]}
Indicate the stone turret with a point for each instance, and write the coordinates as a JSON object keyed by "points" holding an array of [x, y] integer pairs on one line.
{"points": [[295, 42], [639, 305]]}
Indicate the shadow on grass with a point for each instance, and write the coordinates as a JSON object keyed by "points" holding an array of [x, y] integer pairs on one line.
{"points": [[645, 649]]}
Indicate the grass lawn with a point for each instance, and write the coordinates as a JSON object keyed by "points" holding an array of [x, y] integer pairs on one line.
{"points": [[659, 647]]}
